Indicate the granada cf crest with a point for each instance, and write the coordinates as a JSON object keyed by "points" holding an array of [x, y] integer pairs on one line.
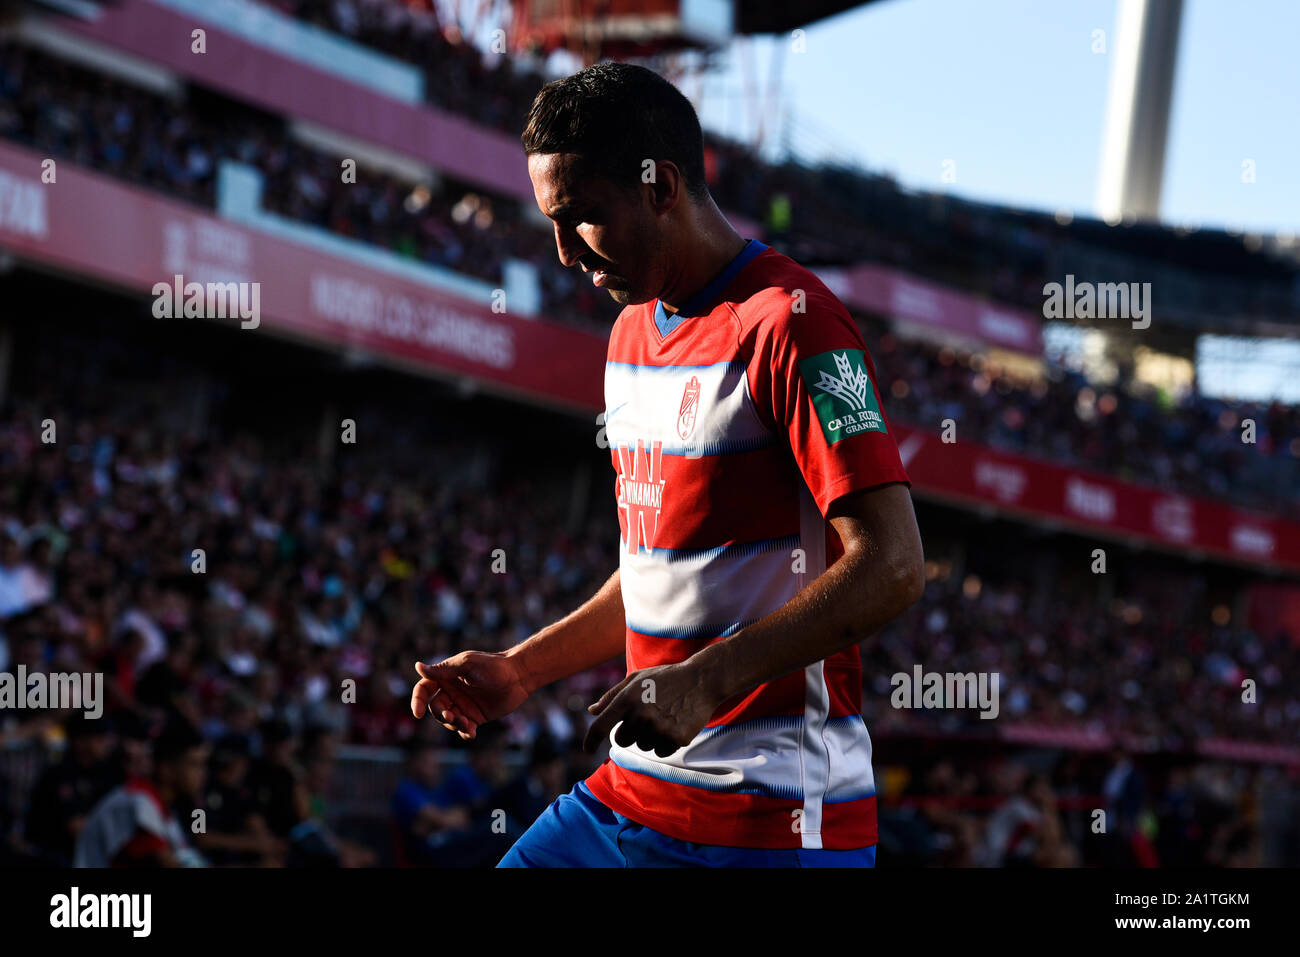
{"points": [[690, 406]]}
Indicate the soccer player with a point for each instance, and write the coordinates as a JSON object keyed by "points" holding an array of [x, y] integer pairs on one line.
{"points": [[767, 523]]}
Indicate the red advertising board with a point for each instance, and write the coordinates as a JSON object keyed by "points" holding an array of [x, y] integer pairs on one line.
{"points": [[891, 293], [966, 472], [94, 226]]}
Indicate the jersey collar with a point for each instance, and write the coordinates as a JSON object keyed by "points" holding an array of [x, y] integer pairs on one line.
{"points": [[700, 303]]}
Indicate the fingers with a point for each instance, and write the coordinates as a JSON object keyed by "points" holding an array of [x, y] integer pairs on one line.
{"points": [[609, 711], [473, 710], [424, 689], [626, 734], [453, 721], [629, 731], [643, 734], [441, 692], [664, 748], [609, 695], [456, 697]]}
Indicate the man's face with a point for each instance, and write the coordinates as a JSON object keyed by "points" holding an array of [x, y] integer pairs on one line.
{"points": [[610, 232]]}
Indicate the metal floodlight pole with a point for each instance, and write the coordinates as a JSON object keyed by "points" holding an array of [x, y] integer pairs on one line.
{"points": [[1137, 111]]}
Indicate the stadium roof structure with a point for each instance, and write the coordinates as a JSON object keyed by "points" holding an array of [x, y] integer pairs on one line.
{"points": [[781, 16], [641, 28]]}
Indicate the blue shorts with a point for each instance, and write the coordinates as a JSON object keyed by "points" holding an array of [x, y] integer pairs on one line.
{"points": [[579, 831]]}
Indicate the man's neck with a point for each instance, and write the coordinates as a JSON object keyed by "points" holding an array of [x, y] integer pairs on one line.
{"points": [[713, 256]]}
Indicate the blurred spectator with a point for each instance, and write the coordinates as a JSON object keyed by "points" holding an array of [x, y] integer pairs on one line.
{"points": [[134, 825], [66, 792], [429, 829], [236, 834], [275, 781]]}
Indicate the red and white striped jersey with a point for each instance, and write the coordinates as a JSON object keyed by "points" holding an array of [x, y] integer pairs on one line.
{"points": [[733, 425]]}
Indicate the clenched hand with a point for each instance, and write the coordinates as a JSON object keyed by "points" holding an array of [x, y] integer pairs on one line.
{"points": [[661, 709]]}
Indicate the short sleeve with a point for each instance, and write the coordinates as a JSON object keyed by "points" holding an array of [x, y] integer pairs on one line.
{"points": [[813, 381]]}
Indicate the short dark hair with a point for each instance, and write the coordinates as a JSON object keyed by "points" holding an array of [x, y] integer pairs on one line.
{"points": [[615, 116]]}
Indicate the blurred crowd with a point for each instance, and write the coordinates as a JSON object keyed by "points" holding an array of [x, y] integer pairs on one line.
{"points": [[67, 111], [1191, 443], [495, 90], [1149, 664], [824, 213], [1104, 810], [323, 581], [320, 592], [819, 213]]}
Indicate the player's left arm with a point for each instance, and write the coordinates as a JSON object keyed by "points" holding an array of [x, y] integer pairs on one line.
{"points": [[879, 575]]}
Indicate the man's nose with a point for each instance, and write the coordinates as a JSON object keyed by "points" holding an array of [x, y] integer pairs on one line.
{"points": [[570, 246]]}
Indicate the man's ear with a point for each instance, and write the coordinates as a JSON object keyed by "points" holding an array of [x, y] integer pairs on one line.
{"points": [[668, 188]]}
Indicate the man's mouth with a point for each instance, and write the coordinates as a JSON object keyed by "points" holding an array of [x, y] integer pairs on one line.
{"points": [[603, 278]]}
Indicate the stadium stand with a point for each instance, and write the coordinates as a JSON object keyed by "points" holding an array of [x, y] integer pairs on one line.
{"points": [[1191, 442], [329, 563], [323, 571]]}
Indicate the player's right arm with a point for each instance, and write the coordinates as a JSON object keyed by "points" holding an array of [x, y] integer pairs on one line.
{"points": [[474, 687]]}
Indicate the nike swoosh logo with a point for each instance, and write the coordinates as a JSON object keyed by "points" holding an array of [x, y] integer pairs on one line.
{"points": [[610, 415]]}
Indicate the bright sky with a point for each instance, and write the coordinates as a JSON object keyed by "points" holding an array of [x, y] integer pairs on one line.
{"points": [[1012, 93]]}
